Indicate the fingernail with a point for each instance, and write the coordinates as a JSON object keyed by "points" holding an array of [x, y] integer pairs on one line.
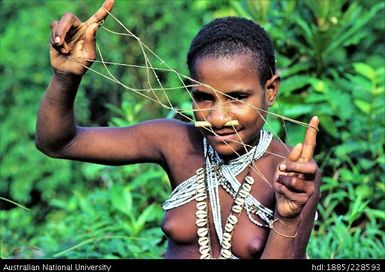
{"points": [[316, 118], [282, 167], [57, 39]]}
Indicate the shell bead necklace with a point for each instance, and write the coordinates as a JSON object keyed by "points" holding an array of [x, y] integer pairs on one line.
{"points": [[202, 217]]}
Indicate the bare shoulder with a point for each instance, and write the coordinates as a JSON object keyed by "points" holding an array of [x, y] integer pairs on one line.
{"points": [[172, 129], [175, 136], [181, 148]]}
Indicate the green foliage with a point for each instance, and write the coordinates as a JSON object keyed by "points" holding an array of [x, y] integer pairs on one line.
{"points": [[330, 57], [24, 78], [121, 223], [112, 221], [64, 221]]}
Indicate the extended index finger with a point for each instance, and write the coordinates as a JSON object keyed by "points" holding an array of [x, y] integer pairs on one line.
{"points": [[102, 12], [310, 140]]}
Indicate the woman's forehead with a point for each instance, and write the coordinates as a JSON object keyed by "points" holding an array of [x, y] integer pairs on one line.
{"points": [[227, 73], [226, 65]]}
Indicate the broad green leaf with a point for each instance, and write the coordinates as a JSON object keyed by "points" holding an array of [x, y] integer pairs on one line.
{"points": [[378, 91], [365, 70], [364, 191], [293, 69], [376, 213], [328, 124], [121, 199], [350, 147], [295, 111], [318, 85], [147, 215], [364, 106], [293, 83], [92, 171], [314, 98]]}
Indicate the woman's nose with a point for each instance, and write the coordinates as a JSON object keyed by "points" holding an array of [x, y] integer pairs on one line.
{"points": [[218, 116]]}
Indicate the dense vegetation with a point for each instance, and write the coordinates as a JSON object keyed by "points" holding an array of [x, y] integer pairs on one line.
{"points": [[331, 58]]}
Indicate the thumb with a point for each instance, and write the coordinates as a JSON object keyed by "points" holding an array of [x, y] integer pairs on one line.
{"points": [[89, 41], [295, 152]]}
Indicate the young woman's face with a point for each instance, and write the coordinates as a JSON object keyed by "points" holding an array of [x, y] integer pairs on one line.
{"points": [[238, 97]]}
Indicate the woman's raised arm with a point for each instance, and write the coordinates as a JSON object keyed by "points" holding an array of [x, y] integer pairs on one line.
{"points": [[72, 49]]}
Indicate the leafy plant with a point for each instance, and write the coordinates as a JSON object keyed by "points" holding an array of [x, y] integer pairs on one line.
{"points": [[330, 57], [323, 56]]}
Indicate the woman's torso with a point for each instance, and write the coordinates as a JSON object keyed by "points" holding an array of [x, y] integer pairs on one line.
{"points": [[248, 239]]}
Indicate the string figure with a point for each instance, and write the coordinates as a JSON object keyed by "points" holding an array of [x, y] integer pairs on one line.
{"points": [[238, 190]]}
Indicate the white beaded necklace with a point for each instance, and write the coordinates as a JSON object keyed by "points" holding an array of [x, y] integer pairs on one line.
{"points": [[218, 173], [202, 221]]}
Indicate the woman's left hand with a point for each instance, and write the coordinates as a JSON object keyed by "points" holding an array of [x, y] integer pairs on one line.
{"points": [[294, 178]]}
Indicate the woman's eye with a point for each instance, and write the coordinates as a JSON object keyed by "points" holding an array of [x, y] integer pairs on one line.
{"points": [[240, 96], [199, 97]]}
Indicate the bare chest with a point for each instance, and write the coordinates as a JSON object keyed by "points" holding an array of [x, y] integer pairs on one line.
{"points": [[248, 239]]}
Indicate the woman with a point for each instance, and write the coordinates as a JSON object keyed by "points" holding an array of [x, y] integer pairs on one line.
{"points": [[237, 193]]}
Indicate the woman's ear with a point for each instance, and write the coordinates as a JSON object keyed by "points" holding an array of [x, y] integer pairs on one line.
{"points": [[272, 87]]}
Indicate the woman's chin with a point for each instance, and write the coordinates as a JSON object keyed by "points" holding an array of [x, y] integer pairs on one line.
{"points": [[230, 147]]}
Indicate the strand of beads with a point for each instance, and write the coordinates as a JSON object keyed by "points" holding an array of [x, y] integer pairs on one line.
{"points": [[202, 216], [232, 220]]}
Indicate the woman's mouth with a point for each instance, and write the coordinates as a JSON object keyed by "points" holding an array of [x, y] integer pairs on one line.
{"points": [[225, 136]]}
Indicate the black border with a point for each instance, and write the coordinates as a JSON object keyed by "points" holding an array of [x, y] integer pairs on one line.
{"points": [[145, 265]]}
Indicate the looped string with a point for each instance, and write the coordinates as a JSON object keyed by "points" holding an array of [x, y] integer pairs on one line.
{"points": [[150, 93], [271, 225]]}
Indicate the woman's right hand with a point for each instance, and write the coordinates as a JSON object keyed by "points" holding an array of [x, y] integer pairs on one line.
{"points": [[72, 43]]}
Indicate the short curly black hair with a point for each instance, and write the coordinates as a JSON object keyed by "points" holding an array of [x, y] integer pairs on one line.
{"points": [[228, 36]]}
